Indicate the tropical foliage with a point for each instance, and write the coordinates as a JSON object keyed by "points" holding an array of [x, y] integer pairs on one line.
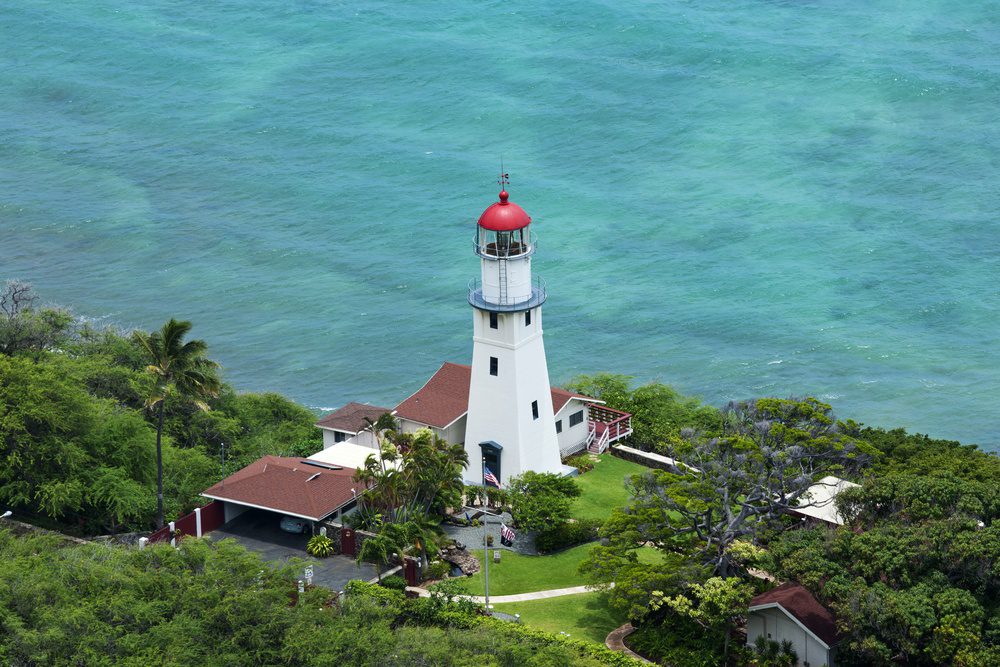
{"points": [[179, 371], [216, 604], [78, 446]]}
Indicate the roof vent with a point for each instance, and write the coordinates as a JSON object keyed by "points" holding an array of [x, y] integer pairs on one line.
{"points": [[314, 477]]}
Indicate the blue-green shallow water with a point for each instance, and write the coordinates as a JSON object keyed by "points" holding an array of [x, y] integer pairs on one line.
{"points": [[737, 198]]}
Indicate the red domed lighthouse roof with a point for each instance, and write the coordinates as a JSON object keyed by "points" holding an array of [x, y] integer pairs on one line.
{"points": [[504, 216]]}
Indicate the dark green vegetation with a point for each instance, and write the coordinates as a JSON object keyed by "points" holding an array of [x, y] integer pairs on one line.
{"points": [[913, 576], [78, 444], [216, 604]]}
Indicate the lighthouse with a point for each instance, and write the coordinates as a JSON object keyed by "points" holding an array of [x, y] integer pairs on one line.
{"points": [[510, 424]]}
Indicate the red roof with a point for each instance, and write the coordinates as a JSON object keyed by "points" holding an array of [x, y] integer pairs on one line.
{"points": [[504, 216], [445, 397], [800, 603], [288, 485], [442, 400], [351, 417]]}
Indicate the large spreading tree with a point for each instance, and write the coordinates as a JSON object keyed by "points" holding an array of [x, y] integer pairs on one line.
{"points": [[179, 371], [726, 488]]}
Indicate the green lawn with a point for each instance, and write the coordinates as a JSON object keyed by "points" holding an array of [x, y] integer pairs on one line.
{"points": [[603, 487], [585, 616], [525, 574]]}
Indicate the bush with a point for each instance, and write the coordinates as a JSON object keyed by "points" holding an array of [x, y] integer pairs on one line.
{"points": [[394, 582], [563, 535], [437, 570], [320, 546], [581, 462]]}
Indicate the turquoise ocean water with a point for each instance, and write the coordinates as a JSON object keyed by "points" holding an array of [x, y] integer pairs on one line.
{"points": [[738, 198]]}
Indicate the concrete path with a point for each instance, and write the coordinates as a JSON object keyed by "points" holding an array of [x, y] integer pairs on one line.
{"points": [[616, 642], [519, 597]]}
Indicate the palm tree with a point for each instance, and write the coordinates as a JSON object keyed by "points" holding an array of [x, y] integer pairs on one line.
{"points": [[379, 549], [179, 370]]}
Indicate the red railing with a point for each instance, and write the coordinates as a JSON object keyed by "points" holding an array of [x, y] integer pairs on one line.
{"points": [[607, 425]]}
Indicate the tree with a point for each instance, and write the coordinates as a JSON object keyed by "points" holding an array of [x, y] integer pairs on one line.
{"points": [[658, 411], [179, 370], [715, 605], [379, 550], [23, 328], [721, 489], [538, 500]]}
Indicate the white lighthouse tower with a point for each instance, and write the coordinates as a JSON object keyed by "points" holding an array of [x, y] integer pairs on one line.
{"points": [[510, 427]]}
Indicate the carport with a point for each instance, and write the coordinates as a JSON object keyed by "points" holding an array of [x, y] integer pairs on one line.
{"points": [[256, 498], [288, 486], [258, 531]]}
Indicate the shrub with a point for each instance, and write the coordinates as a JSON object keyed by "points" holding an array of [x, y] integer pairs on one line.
{"points": [[566, 534], [394, 582], [581, 462], [320, 546], [437, 570]]}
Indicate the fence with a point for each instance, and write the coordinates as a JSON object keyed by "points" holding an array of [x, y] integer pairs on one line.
{"points": [[202, 520]]}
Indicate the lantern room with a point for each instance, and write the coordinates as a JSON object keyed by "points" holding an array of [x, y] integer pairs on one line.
{"points": [[503, 231]]}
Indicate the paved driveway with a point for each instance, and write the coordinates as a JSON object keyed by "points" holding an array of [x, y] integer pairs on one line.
{"points": [[258, 531]]}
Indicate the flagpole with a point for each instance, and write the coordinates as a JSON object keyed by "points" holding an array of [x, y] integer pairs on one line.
{"points": [[486, 561]]}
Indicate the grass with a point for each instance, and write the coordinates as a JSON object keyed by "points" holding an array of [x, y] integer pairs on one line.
{"points": [[586, 616], [525, 574], [603, 488]]}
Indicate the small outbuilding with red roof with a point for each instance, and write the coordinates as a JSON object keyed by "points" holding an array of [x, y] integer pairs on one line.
{"points": [[790, 612]]}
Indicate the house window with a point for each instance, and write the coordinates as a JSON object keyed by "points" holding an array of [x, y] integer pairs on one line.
{"points": [[534, 409], [494, 365], [558, 426], [493, 321], [339, 437], [575, 418], [527, 318]]}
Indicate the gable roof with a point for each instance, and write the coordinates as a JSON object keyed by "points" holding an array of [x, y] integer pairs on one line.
{"points": [[287, 485], [445, 397], [351, 417], [800, 604], [560, 397]]}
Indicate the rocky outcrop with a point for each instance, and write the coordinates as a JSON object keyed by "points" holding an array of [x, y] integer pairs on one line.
{"points": [[460, 557]]}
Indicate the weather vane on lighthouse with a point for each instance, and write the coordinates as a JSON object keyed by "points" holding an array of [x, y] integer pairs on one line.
{"points": [[504, 179]]}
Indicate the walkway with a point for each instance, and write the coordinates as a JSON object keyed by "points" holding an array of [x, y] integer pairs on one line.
{"points": [[519, 597], [616, 642]]}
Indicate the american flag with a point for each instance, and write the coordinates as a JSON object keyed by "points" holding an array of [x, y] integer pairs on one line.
{"points": [[490, 478], [506, 535]]}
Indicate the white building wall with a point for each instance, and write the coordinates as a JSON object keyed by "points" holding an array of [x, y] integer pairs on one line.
{"points": [[518, 279], [776, 625], [363, 438], [453, 433], [572, 439], [500, 406]]}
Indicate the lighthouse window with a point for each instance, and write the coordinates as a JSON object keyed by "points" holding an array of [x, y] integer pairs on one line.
{"points": [[493, 320], [527, 318], [534, 409], [575, 418], [494, 365]]}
